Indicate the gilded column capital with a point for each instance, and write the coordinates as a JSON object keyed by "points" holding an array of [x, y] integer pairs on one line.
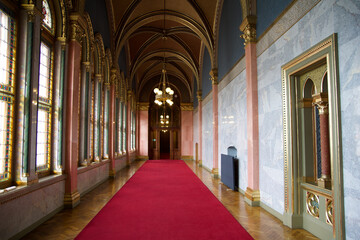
{"points": [[113, 76], [248, 27], [87, 66], [76, 32], [129, 94], [199, 95], [214, 76], [31, 10], [320, 100], [186, 106], [143, 106]]}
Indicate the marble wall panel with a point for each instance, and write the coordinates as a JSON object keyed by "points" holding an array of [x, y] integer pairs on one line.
{"points": [[207, 134], [20, 213], [327, 17], [233, 123], [91, 178], [196, 132]]}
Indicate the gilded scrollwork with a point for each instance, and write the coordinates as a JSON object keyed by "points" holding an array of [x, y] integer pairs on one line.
{"points": [[329, 211], [248, 27], [312, 204], [76, 32], [214, 76]]}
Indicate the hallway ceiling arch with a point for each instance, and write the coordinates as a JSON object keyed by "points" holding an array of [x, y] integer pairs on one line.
{"points": [[153, 31], [151, 34]]}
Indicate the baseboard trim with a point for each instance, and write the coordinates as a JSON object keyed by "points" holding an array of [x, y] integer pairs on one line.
{"points": [[272, 211], [187, 157], [36, 224]]}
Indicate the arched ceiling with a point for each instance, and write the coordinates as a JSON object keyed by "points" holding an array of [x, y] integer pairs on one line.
{"points": [[171, 31], [152, 33]]}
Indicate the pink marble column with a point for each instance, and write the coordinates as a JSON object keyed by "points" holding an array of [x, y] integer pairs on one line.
{"points": [[321, 102], [186, 131], [128, 128], [144, 131], [215, 92], [252, 193], [72, 196], [112, 127], [199, 96]]}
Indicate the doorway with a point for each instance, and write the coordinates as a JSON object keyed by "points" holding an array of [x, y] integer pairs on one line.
{"points": [[164, 144], [312, 160]]}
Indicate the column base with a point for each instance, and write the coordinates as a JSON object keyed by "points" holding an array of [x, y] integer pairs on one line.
{"points": [[252, 197], [324, 183], [200, 163], [215, 173], [71, 200], [140, 157], [32, 180], [112, 173]]}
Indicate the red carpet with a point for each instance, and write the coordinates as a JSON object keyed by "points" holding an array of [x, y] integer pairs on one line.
{"points": [[164, 200]]}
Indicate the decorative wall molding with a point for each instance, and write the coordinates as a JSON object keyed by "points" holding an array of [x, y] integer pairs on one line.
{"points": [[283, 23]]}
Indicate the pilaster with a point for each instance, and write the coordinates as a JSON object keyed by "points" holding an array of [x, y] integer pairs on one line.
{"points": [[248, 27], [112, 127], [321, 102], [215, 92], [199, 96], [72, 196], [20, 173]]}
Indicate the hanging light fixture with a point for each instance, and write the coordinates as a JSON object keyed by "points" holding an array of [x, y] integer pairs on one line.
{"points": [[164, 120], [164, 93]]}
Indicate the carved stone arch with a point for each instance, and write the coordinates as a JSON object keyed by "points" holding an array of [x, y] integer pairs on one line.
{"points": [[99, 46], [201, 61], [324, 82], [108, 64], [61, 18], [308, 87], [89, 35], [248, 8], [216, 29], [132, 26]]}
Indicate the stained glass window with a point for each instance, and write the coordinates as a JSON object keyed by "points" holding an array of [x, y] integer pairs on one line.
{"points": [[119, 127], [44, 74], [7, 60], [44, 109], [124, 128], [106, 124], [47, 22], [43, 139], [92, 120]]}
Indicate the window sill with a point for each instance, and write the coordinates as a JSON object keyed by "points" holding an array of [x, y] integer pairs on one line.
{"points": [[316, 189], [92, 166], [20, 191]]}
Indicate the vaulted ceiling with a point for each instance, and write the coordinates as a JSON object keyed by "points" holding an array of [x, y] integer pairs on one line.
{"points": [[155, 31], [176, 32]]}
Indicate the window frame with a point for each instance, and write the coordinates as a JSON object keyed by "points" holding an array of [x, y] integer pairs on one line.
{"points": [[8, 93]]}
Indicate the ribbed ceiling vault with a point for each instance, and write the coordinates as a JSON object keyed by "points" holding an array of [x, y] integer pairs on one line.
{"points": [[190, 25]]}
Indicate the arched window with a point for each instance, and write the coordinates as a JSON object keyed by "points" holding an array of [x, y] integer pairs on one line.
{"points": [[45, 90], [124, 115], [106, 113], [47, 21], [7, 97]]}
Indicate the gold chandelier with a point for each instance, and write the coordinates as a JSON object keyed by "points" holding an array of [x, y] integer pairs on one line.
{"points": [[163, 93], [164, 121]]}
